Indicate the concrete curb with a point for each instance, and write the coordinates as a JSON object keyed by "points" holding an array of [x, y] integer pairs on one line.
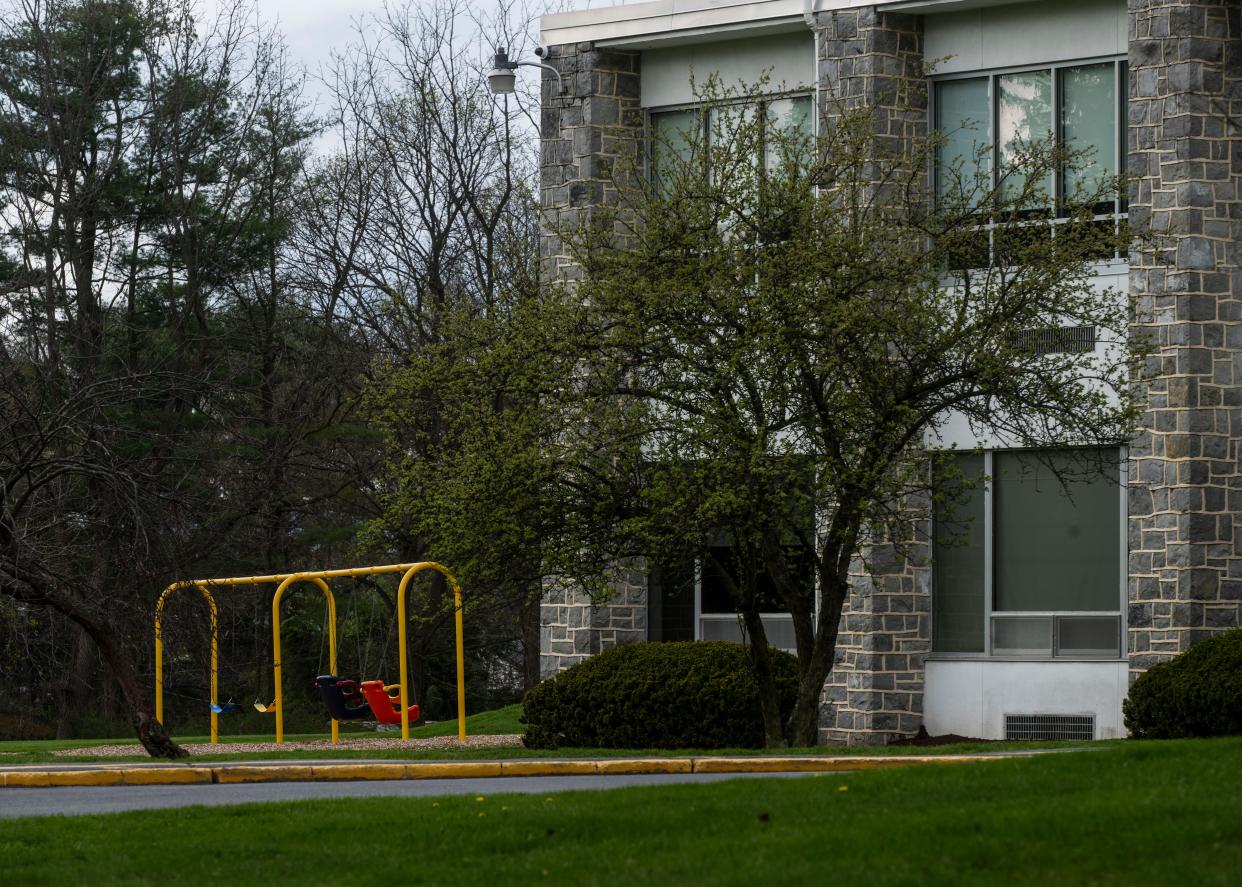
{"points": [[223, 774]]}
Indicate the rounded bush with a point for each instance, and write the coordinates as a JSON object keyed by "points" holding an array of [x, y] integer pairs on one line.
{"points": [[688, 694], [1198, 693]]}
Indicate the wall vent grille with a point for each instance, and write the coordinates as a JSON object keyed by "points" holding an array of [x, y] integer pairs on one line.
{"points": [[1019, 727], [1056, 340]]}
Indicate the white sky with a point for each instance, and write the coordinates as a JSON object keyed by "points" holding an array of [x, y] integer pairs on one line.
{"points": [[314, 28]]}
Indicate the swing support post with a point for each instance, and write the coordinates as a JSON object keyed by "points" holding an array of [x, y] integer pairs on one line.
{"points": [[280, 592], [403, 658], [215, 652]]}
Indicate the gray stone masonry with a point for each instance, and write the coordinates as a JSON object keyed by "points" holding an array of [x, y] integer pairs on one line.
{"points": [[1185, 157], [572, 628], [875, 691], [591, 138]]}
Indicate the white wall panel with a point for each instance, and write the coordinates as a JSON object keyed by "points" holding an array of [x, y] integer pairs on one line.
{"points": [[666, 72], [972, 697], [1025, 33]]}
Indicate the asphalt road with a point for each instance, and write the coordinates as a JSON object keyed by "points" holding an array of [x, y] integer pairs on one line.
{"points": [[15, 802]]}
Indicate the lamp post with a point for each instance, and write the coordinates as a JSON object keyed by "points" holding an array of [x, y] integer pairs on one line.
{"points": [[502, 78]]}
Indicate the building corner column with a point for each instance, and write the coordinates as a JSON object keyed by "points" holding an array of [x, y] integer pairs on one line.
{"points": [[590, 139], [874, 693], [1185, 163]]}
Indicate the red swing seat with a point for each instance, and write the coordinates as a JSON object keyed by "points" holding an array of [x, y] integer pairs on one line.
{"points": [[387, 709]]}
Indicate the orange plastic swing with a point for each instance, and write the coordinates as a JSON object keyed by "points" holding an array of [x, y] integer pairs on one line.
{"points": [[387, 709]]}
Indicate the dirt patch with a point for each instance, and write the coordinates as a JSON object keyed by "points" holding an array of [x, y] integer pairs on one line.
{"points": [[922, 738], [502, 740]]}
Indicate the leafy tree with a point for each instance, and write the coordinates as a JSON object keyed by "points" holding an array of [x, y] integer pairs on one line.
{"points": [[790, 318], [429, 242], [162, 379]]}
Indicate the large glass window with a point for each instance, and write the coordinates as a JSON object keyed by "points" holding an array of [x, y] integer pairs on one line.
{"points": [[718, 619], [672, 138], [693, 601], [958, 615], [673, 132], [985, 121], [1030, 564]]}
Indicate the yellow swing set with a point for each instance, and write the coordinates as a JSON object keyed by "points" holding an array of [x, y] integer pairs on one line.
{"points": [[319, 578]]}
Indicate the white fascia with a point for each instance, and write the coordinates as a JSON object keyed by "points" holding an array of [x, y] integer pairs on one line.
{"points": [[670, 22]]}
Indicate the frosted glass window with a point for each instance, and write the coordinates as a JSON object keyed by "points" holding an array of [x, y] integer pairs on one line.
{"points": [[958, 578], [1022, 635], [1088, 123], [1023, 117], [778, 630], [1088, 636], [963, 114], [1056, 546]]}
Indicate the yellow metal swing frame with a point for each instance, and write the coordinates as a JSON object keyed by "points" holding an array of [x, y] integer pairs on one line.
{"points": [[319, 577]]}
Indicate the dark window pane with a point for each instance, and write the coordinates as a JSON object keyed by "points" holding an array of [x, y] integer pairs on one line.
{"points": [[1057, 546], [1088, 636], [720, 566], [957, 589], [670, 602]]}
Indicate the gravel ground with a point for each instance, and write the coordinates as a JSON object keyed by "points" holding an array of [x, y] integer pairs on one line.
{"points": [[505, 740]]}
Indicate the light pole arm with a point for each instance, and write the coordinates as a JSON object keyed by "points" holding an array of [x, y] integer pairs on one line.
{"points": [[560, 84]]}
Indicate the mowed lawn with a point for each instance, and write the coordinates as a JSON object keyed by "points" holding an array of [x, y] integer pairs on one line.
{"points": [[1144, 813], [498, 721]]}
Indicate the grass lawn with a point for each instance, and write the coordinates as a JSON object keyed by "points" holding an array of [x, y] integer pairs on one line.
{"points": [[501, 720], [1141, 813]]}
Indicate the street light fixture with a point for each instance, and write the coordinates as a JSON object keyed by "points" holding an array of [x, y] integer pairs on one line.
{"points": [[502, 79]]}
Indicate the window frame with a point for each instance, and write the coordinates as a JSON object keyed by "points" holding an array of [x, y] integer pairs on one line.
{"points": [[1120, 64], [989, 576]]}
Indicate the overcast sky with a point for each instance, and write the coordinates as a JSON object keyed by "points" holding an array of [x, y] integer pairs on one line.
{"points": [[314, 28]]}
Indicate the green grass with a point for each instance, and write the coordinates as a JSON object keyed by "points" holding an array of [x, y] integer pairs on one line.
{"points": [[499, 721], [1139, 813]]}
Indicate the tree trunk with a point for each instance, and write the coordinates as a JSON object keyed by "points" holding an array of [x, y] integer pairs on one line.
{"points": [[803, 729], [530, 643], [151, 733], [769, 698], [74, 690]]}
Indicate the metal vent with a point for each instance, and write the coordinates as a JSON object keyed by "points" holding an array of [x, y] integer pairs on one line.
{"points": [[1018, 727], [1056, 340]]}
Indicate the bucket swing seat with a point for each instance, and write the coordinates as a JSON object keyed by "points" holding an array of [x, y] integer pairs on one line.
{"points": [[387, 709], [341, 697]]}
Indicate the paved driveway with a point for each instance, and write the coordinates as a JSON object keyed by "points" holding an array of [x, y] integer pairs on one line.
{"points": [[15, 802]]}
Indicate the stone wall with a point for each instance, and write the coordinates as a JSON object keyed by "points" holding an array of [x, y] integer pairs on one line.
{"points": [[1185, 512], [573, 628], [875, 691], [591, 139]]}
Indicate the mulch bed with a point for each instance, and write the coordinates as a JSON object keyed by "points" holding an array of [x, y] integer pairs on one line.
{"points": [[501, 740], [922, 738]]}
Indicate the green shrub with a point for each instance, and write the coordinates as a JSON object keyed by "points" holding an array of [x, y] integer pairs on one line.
{"points": [[1198, 693], [690, 694]]}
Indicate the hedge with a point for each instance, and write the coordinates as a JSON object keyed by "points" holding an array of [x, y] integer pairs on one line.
{"points": [[690, 694], [1198, 693]]}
